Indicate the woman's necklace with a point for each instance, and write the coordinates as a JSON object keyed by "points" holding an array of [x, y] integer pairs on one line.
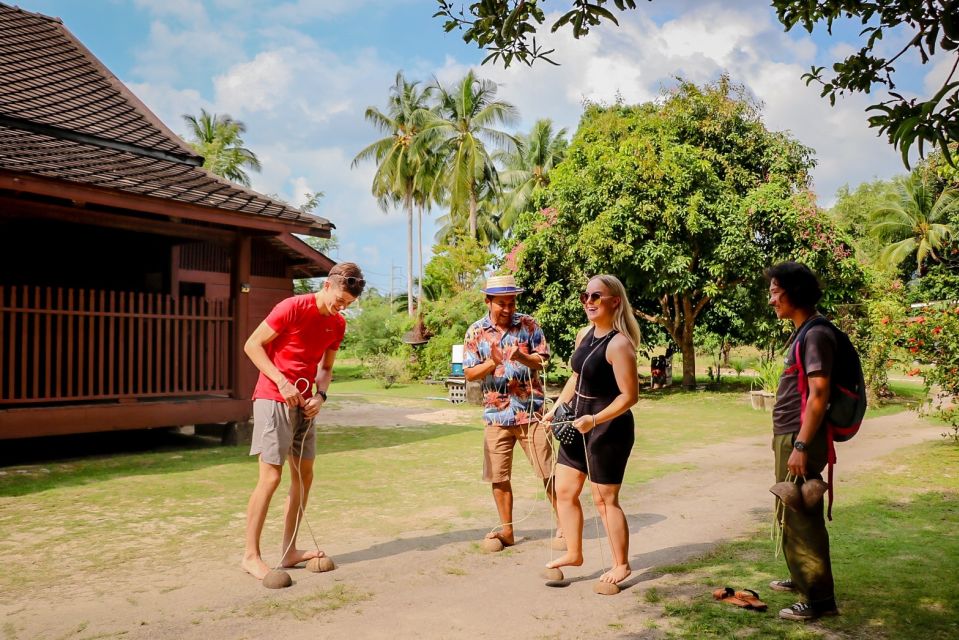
{"points": [[594, 340]]}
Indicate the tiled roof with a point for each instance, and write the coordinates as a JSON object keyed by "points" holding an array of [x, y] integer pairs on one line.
{"points": [[63, 115]]}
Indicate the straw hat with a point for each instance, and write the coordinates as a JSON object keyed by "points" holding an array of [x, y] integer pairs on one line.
{"points": [[502, 286]]}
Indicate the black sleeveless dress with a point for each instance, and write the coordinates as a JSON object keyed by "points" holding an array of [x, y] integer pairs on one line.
{"points": [[611, 442]]}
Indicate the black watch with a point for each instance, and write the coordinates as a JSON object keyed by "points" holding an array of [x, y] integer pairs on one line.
{"points": [[322, 394], [799, 445]]}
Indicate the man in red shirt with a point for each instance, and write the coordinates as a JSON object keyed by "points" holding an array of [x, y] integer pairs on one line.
{"points": [[293, 348]]}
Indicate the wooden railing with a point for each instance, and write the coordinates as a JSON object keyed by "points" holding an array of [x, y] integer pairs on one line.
{"points": [[68, 345]]}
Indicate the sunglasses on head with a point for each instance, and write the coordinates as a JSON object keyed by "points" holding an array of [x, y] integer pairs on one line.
{"points": [[595, 296], [352, 281]]}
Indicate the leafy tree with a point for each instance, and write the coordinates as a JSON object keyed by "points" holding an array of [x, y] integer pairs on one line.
{"points": [[527, 168], [853, 213], [932, 338], [218, 139], [463, 124], [914, 221], [686, 200], [376, 330], [507, 30], [397, 159]]}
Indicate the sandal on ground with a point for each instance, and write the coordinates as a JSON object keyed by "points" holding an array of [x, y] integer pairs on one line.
{"points": [[751, 598], [728, 595]]}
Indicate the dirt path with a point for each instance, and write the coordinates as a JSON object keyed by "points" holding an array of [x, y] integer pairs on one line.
{"points": [[437, 585]]}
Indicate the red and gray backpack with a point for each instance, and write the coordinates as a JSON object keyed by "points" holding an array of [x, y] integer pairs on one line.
{"points": [[847, 392]]}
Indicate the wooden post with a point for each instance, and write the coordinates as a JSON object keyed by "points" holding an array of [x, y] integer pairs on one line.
{"points": [[240, 293]]}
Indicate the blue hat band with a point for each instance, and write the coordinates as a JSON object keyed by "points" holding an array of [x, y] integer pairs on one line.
{"points": [[501, 290]]}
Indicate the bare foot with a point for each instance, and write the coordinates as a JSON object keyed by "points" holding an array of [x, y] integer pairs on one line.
{"points": [[506, 538], [295, 556], [567, 560], [617, 574], [255, 566]]}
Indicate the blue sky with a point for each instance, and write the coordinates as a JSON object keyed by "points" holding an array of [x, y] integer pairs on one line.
{"points": [[300, 73]]}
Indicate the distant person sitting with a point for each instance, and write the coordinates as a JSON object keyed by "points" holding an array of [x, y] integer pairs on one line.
{"points": [[294, 348], [505, 350]]}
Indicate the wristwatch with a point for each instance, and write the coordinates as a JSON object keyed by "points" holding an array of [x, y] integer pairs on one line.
{"points": [[799, 445], [322, 394]]}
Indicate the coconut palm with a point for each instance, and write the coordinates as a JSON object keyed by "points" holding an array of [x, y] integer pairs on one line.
{"points": [[218, 139], [489, 230], [527, 167], [463, 124], [397, 160], [914, 221]]}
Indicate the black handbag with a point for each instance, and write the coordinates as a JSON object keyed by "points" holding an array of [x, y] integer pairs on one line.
{"points": [[562, 426]]}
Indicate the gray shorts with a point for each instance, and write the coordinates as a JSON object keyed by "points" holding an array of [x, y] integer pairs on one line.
{"points": [[279, 432]]}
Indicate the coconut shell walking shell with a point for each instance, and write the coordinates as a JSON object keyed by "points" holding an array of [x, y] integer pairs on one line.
{"points": [[321, 564], [277, 579]]}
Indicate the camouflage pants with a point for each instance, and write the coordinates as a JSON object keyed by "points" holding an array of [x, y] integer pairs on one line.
{"points": [[805, 539]]}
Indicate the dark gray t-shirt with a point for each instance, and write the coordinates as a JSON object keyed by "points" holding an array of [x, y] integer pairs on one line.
{"points": [[819, 350]]}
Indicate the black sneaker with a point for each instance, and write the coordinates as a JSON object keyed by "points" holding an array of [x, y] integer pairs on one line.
{"points": [[800, 611], [782, 585], [805, 613]]}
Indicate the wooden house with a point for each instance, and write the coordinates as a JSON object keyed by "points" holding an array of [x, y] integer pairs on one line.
{"points": [[130, 277]]}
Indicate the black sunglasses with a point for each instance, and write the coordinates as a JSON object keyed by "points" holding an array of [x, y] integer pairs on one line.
{"points": [[585, 297], [352, 281]]}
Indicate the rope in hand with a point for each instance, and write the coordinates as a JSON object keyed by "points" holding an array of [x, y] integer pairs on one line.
{"points": [[301, 511]]}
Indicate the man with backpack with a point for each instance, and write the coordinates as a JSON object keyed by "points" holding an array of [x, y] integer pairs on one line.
{"points": [[801, 441]]}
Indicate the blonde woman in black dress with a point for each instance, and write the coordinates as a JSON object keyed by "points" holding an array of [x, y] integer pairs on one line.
{"points": [[603, 387]]}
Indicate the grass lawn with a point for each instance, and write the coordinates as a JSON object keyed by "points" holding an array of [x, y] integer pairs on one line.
{"points": [[159, 497], [894, 550]]}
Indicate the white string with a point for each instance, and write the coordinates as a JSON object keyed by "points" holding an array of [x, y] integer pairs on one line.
{"points": [[589, 475], [301, 512]]}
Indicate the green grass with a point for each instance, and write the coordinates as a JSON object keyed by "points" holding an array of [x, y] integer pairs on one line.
{"points": [[311, 606], [159, 497], [894, 553]]}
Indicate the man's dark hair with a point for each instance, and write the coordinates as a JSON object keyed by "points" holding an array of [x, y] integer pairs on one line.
{"points": [[798, 281], [348, 277]]}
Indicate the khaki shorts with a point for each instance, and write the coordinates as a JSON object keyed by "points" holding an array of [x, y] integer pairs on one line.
{"points": [[498, 450], [275, 436]]}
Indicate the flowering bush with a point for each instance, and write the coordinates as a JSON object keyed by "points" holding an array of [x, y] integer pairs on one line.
{"points": [[932, 338]]}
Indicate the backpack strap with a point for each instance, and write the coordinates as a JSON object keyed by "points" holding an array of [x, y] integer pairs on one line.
{"points": [[803, 383]]}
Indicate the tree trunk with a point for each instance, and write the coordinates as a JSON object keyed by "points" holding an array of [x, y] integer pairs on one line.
{"points": [[409, 255], [473, 207], [688, 349], [419, 297]]}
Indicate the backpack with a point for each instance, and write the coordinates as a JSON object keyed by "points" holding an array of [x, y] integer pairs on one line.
{"points": [[847, 392]]}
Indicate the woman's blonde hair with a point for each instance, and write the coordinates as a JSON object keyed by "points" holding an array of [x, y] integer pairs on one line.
{"points": [[624, 319]]}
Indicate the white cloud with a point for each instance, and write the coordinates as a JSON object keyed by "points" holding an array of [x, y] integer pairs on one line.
{"points": [[258, 85], [169, 104]]}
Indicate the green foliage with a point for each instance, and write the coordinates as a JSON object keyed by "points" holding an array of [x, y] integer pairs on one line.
{"points": [[768, 373], [527, 168], [932, 338], [218, 139], [933, 121], [376, 330], [386, 369], [448, 319], [457, 267], [507, 28], [687, 200], [853, 211]]}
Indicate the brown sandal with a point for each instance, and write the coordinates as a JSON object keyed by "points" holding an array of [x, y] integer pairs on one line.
{"points": [[726, 594], [751, 598]]}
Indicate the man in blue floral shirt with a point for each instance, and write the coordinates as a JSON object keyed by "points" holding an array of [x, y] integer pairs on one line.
{"points": [[506, 350]]}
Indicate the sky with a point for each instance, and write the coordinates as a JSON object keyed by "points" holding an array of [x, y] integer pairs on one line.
{"points": [[301, 73]]}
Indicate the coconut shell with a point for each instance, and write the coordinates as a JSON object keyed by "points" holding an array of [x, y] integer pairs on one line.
{"points": [[277, 579], [788, 493], [321, 564], [552, 574], [605, 588], [491, 545], [812, 492]]}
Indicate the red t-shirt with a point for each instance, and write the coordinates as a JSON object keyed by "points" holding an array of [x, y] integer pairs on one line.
{"points": [[304, 336]]}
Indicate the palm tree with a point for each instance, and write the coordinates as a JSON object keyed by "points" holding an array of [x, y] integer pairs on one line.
{"points": [[489, 231], [527, 167], [464, 122], [396, 158], [914, 221], [217, 138]]}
